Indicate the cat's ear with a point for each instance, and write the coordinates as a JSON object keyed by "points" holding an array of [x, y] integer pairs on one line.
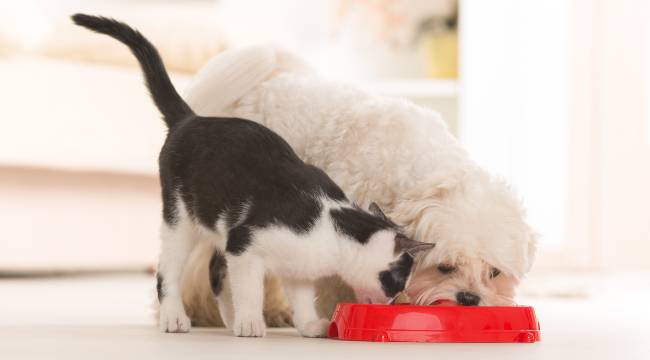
{"points": [[374, 208], [410, 246]]}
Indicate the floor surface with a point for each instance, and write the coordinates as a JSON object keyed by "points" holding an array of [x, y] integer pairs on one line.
{"points": [[109, 317]]}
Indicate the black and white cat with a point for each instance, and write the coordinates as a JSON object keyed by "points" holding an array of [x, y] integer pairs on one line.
{"points": [[240, 186]]}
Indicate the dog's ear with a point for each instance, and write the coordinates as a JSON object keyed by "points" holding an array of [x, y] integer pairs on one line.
{"points": [[410, 246], [374, 208], [436, 187]]}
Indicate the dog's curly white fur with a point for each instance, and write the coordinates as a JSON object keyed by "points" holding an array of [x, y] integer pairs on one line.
{"points": [[385, 150]]}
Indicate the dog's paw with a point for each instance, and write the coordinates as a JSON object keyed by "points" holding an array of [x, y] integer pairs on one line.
{"points": [[174, 320], [315, 328], [278, 318], [249, 326]]}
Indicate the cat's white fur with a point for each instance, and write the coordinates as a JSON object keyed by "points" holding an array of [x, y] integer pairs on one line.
{"points": [[298, 259], [380, 149]]}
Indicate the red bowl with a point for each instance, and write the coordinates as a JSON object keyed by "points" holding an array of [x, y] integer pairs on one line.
{"points": [[414, 323]]}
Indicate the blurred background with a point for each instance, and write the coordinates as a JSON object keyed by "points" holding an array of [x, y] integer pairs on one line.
{"points": [[552, 95]]}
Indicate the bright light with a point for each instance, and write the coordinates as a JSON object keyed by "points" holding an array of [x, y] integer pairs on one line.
{"points": [[514, 102]]}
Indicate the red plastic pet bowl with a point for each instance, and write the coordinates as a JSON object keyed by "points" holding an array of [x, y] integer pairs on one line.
{"points": [[399, 323]]}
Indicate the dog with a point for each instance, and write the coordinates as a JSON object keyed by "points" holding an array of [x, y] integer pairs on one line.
{"points": [[380, 149]]}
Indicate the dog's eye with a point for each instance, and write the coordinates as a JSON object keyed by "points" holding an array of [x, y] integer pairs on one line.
{"points": [[446, 269], [494, 273]]}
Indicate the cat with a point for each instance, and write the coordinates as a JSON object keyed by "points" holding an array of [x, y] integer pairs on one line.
{"points": [[241, 187]]}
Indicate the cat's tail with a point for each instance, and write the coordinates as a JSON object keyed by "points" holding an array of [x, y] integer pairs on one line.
{"points": [[168, 101]]}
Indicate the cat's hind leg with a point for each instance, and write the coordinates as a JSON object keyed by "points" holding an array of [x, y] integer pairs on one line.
{"points": [[177, 241], [246, 280]]}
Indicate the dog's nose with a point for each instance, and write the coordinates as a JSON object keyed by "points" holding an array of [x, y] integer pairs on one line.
{"points": [[467, 298]]}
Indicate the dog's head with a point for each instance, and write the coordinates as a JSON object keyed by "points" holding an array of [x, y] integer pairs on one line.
{"points": [[483, 244]]}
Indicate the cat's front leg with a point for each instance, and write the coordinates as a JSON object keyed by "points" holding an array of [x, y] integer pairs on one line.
{"points": [[246, 280], [302, 296]]}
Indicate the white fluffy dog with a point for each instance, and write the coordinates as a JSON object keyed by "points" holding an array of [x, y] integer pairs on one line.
{"points": [[377, 149]]}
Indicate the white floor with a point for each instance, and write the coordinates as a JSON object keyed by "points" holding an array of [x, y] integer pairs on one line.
{"points": [[108, 317]]}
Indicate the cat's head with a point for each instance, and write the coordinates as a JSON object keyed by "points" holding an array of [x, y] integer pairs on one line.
{"points": [[381, 257]]}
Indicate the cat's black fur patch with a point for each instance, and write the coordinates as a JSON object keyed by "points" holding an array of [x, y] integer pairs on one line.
{"points": [[221, 165], [218, 165], [160, 289], [217, 272], [358, 224], [238, 240], [394, 279]]}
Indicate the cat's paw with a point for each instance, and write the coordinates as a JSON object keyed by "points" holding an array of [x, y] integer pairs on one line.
{"points": [[173, 319], [249, 326], [315, 328]]}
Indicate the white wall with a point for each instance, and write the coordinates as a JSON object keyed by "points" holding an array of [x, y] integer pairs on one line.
{"points": [[61, 220], [514, 102], [555, 97], [621, 104]]}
